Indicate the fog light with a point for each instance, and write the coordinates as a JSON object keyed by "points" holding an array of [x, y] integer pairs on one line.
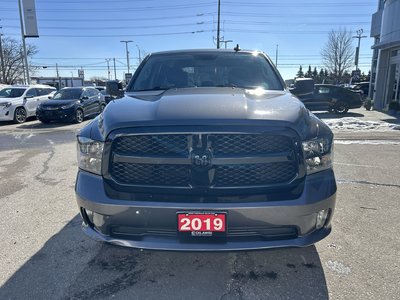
{"points": [[87, 216], [321, 218]]}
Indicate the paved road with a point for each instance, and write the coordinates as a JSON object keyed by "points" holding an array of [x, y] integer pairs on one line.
{"points": [[44, 255]]}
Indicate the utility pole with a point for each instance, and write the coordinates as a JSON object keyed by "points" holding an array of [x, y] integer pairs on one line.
{"points": [[108, 67], [219, 21], [3, 69], [359, 36], [58, 77], [127, 52], [276, 56], [58, 74], [28, 80], [115, 70]]}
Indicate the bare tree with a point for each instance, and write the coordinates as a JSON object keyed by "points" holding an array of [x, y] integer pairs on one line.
{"points": [[13, 60], [338, 53]]}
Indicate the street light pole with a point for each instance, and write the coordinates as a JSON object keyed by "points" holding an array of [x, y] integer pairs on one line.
{"points": [[127, 52], [226, 42], [359, 36], [140, 56], [276, 56]]}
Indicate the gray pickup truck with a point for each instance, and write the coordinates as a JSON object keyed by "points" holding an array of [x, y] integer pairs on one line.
{"points": [[207, 151]]}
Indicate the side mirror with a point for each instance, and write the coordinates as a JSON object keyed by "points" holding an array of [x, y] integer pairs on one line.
{"points": [[114, 89], [84, 98], [28, 97], [303, 87], [50, 97]]}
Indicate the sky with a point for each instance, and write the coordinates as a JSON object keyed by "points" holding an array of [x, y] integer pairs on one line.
{"points": [[78, 34]]}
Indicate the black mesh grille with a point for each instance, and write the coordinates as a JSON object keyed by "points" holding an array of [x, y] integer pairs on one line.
{"points": [[173, 174], [161, 175], [249, 143], [167, 144], [253, 175]]}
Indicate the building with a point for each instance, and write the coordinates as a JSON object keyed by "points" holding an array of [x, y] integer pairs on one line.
{"points": [[385, 75], [59, 82]]}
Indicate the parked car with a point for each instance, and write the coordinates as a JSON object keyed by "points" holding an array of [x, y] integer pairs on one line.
{"points": [[331, 98], [362, 87], [71, 104], [17, 103], [207, 151]]}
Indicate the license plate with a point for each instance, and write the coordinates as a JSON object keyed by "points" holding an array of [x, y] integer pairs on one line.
{"points": [[201, 222]]}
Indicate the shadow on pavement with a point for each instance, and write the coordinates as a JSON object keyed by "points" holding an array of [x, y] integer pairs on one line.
{"points": [[69, 266], [329, 115], [45, 126]]}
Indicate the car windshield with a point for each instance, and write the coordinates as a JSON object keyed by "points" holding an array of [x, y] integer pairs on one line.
{"points": [[68, 94], [226, 69], [11, 92]]}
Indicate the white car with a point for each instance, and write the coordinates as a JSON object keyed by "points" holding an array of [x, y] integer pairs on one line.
{"points": [[17, 103]]}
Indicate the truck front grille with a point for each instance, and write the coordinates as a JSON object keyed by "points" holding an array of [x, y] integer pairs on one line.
{"points": [[206, 160], [254, 175]]}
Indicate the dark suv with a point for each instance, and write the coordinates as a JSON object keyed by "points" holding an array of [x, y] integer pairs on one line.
{"points": [[206, 151], [71, 104]]}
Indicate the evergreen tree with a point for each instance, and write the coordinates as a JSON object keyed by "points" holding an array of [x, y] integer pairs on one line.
{"points": [[309, 72], [315, 74], [300, 72], [321, 76]]}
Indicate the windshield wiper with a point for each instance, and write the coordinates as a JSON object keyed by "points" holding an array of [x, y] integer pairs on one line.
{"points": [[236, 86], [156, 88]]}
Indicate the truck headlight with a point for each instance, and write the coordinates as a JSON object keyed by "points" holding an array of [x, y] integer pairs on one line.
{"points": [[90, 153], [318, 154]]}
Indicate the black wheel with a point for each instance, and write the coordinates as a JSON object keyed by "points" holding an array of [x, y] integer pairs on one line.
{"points": [[102, 107], [19, 115], [341, 107], [78, 116]]}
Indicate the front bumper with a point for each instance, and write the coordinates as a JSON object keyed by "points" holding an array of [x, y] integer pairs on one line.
{"points": [[319, 193], [6, 114], [56, 115]]}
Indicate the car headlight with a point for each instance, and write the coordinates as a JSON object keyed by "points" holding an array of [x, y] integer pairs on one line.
{"points": [[67, 106], [6, 104], [318, 154], [90, 153]]}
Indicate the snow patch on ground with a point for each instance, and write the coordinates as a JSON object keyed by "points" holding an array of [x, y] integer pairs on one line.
{"points": [[338, 267], [355, 124], [367, 142]]}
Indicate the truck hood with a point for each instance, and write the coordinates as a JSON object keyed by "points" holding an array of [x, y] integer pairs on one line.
{"points": [[205, 106]]}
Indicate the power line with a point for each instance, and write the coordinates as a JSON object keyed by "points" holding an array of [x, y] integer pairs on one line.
{"points": [[58, 20], [299, 4], [113, 27], [240, 30], [121, 35], [122, 9], [320, 15]]}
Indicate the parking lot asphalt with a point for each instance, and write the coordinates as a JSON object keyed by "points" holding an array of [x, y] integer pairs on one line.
{"points": [[44, 254]]}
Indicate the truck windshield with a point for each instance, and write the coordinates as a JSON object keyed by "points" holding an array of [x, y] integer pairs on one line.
{"points": [[223, 69], [68, 94], [11, 92]]}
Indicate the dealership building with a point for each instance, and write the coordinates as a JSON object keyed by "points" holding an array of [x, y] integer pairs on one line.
{"points": [[385, 75]]}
